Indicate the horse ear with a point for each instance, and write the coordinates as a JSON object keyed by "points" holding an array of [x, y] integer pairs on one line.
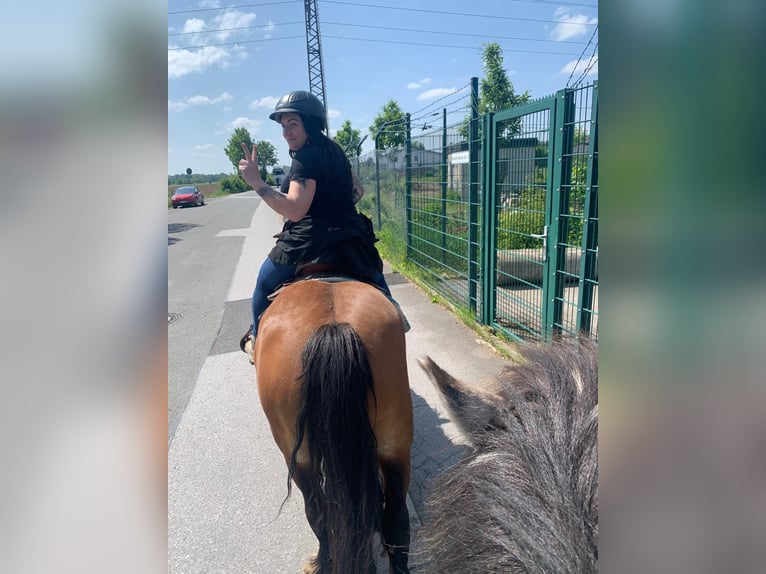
{"points": [[474, 410]]}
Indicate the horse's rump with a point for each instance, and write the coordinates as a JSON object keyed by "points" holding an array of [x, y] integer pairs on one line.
{"points": [[332, 379]]}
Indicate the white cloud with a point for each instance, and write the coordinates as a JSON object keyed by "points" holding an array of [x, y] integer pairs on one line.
{"points": [[571, 25], [418, 84], [241, 122], [581, 67], [182, 62], [203, 149], [210, 4], [231, 19], [179, 106], [193, 25], [435, 93], [332, 114], [264, 102]]}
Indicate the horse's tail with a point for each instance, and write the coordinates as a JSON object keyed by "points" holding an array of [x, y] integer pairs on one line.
{"points": [[336, 386]]}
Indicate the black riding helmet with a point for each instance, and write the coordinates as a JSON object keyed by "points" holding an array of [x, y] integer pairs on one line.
{"points": [[300, 102]]}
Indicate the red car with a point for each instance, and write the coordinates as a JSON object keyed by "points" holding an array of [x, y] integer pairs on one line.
{"points": [[187, 195]]}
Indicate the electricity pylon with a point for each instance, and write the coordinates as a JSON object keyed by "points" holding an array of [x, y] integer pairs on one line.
{"points": [[314, 50]]}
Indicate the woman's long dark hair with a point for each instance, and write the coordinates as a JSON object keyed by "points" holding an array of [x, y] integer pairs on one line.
{"points": [[329, 148]]}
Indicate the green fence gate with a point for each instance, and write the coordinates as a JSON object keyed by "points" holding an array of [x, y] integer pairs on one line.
{"points": [[540, 241]]}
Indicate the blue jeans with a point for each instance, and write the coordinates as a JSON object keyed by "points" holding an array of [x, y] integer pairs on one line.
{"points": [[272, 275]]}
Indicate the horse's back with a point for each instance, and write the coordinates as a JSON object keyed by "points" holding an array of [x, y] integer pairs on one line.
{"points": [[306, 305]]}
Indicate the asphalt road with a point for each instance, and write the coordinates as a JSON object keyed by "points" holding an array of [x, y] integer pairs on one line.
{"points": [[226, 478]]}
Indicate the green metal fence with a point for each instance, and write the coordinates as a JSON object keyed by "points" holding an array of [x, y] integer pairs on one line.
{"points": [[499, 213]]}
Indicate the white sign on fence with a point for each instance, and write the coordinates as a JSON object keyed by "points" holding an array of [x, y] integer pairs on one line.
{"points": [[459, 157]]}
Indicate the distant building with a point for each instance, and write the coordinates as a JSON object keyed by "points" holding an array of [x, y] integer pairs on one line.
{"points": [[515, 166], [395, 158]]}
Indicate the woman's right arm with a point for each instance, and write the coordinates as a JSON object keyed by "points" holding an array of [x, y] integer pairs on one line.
{"points": [[295, 205]]}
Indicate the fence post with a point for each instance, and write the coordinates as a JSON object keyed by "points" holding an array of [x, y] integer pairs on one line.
{"points": [[408, 184], [489, 257], [377, 181], [589, 229], [444, 183], [553, 283], [473, 196]]}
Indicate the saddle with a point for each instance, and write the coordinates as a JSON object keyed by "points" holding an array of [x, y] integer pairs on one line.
{"points": [[333, 273], [329, 272]]}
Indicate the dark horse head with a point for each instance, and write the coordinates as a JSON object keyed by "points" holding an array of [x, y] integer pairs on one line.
{"points": [[526, 499]]}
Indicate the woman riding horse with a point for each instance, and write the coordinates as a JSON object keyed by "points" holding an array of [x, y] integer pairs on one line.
{"points": [[317, 199], [330, 356]]}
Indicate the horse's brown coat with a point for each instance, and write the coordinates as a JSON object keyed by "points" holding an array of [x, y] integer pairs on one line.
{"points": [[284, 330]]}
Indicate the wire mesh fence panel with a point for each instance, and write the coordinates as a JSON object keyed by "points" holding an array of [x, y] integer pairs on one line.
{"points": [[438, 238], [502, 223], [577, 294]]}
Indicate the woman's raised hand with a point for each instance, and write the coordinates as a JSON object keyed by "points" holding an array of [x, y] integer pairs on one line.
{"points": [[248, 166]]}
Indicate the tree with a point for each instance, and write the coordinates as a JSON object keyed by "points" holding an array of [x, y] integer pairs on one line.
{"points": [[348, 139], [267, 153], [234, 148], [496, 91], [389, 126]]}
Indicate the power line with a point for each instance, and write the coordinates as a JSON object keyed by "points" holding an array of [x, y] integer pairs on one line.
{"points": [[232, 29], [591, 63], [558, 3], [443, 98], [493, 16], [231, 7], [370, 40], [447, 46], [585, 49], [467, 14], [211, 31], [485, 36], [233, 43]]}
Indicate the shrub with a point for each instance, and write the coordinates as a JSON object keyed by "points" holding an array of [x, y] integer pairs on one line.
{"points": [[234, 184], [516, 225]]}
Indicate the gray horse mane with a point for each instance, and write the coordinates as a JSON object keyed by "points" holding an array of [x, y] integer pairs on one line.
{"points": [[525, 500]]}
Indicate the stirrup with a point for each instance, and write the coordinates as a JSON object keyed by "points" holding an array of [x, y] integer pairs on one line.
{"points": [[247, 345]]}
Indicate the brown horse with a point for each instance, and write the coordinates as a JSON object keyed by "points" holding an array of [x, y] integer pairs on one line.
{"points": [[332, 379]]}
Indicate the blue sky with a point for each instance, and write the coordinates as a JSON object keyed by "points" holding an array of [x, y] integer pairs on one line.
{"points": [[228, 63]]}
